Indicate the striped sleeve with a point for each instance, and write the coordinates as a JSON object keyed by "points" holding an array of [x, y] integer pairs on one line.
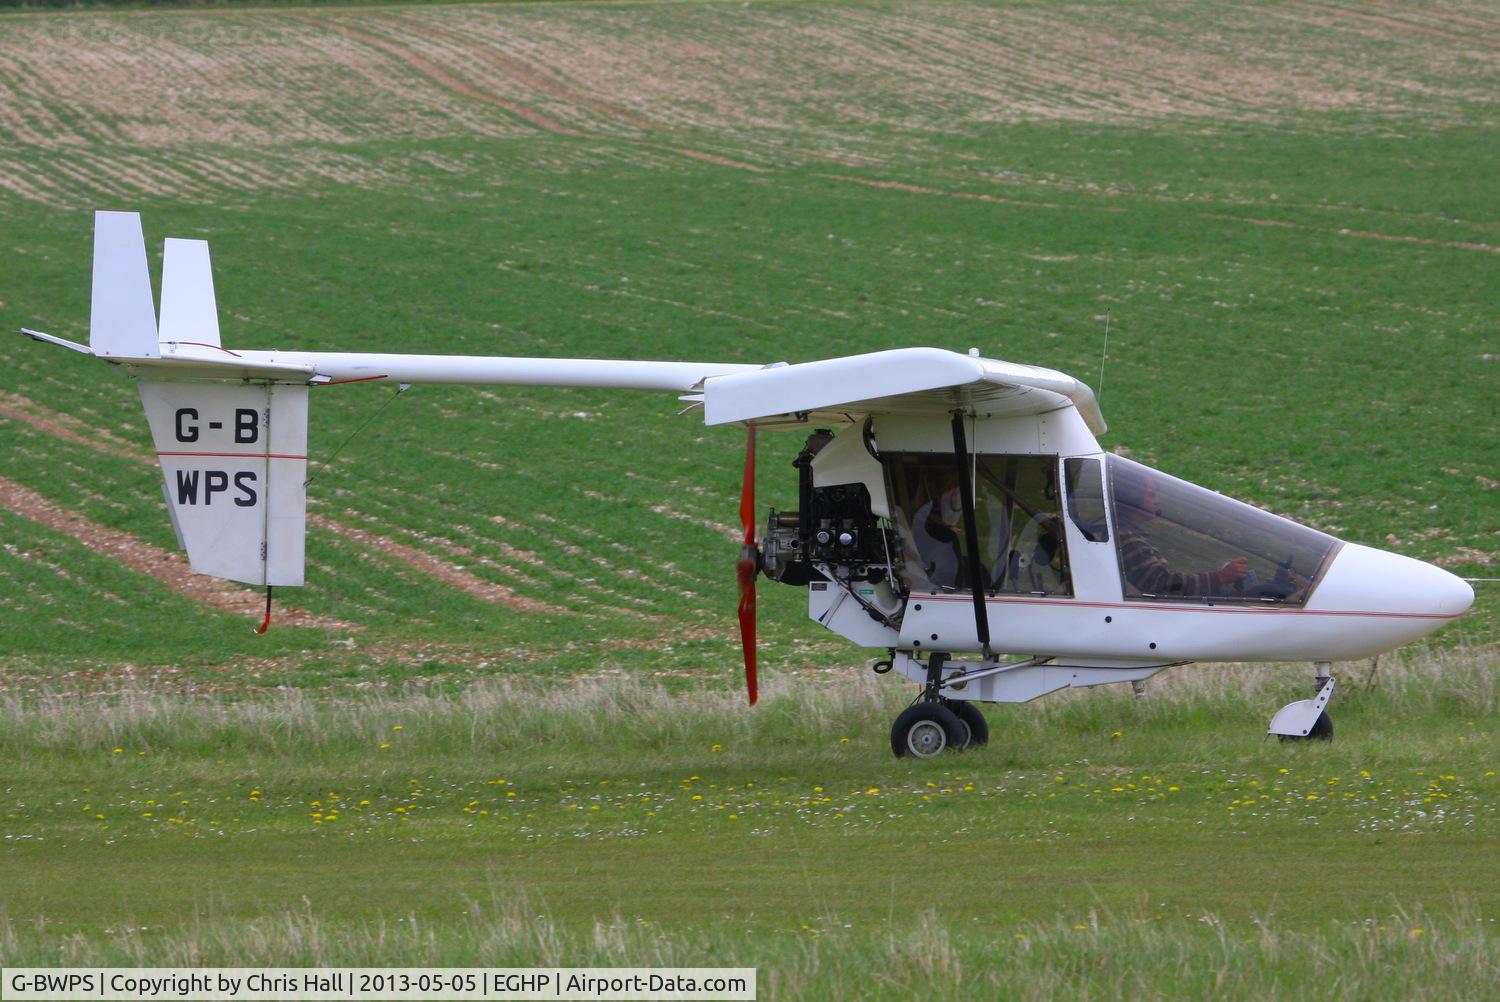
{"points": [[1147, 571]]}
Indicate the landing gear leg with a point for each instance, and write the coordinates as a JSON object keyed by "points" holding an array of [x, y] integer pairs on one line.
{"points": [[928, 727], [1307, 719]]}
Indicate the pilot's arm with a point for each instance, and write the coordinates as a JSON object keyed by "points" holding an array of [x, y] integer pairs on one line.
{"points": [[1148, 570]]}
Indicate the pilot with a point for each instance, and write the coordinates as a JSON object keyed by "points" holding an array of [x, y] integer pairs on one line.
{"points": [[1145, 568]]}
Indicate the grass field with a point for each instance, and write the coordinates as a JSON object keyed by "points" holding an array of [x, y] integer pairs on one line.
{"points": [[1288, 214]]}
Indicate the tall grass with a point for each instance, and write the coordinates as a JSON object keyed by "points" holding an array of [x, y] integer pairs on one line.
{"points": [[644, 715], [1398, 953]]}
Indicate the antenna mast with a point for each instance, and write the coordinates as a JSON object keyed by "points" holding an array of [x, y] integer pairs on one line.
{"points": [[1105, 357]]}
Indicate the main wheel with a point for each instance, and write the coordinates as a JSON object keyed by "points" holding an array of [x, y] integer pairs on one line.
{"points": [[926, 729], [1322, 730], [969, 713]]}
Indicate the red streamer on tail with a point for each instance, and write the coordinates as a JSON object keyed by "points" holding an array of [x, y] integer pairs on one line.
{"points": [[266, 623]]}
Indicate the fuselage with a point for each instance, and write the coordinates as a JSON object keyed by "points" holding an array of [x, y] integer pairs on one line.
{"points": [[1074, 567]]}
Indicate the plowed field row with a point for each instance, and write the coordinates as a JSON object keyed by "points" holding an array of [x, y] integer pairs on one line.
{"points": [[119, 105], [428, 555]]}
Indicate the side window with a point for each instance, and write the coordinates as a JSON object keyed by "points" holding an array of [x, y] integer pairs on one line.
{"points": [[1085, 480], [1020, 525], [928, 514], [1177, 540], [1021, 538]]}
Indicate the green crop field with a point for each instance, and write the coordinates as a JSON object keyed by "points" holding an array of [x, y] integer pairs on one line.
{"points": [[1287, 214]]}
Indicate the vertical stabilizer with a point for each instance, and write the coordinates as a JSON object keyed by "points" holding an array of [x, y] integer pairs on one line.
{"points": [[188, 313], [122, 323], [234, 459]]}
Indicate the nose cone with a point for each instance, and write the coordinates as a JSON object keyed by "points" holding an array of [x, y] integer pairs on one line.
{"points": [[1399, 598]]}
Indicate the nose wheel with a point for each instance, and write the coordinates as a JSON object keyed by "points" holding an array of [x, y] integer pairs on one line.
{"points": [[1307, 719]]}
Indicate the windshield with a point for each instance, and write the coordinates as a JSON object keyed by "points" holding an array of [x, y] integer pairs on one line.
{"points": [[1177, 540]]}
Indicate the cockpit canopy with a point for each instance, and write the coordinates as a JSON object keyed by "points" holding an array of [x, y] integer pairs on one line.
{"points": [[1177, 540]]}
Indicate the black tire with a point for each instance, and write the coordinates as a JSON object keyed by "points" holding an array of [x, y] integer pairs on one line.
{"points": [[971, 714], [1322, 730], [926, 730]]}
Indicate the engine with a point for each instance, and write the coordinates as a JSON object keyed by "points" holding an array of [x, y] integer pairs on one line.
{"points": [[834, 526]]}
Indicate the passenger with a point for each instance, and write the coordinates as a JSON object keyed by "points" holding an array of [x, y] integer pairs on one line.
{"points": [[1144, 566], [1036, 561], [936, 529]]}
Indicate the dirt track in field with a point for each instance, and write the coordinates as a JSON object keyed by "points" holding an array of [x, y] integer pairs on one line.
{"points": [[172, 569], [169, 568]]}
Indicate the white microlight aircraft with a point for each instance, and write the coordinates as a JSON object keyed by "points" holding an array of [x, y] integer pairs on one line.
{"points": [[946, 505]]}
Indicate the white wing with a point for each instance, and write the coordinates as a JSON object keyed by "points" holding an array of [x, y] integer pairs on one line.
{"points": [[909, 381]]}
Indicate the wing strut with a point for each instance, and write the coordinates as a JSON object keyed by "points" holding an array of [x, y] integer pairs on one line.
{"points": [[971, 531]]}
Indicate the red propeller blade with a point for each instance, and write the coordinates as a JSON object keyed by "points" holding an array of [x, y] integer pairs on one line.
{"points": [[746, 568]]}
